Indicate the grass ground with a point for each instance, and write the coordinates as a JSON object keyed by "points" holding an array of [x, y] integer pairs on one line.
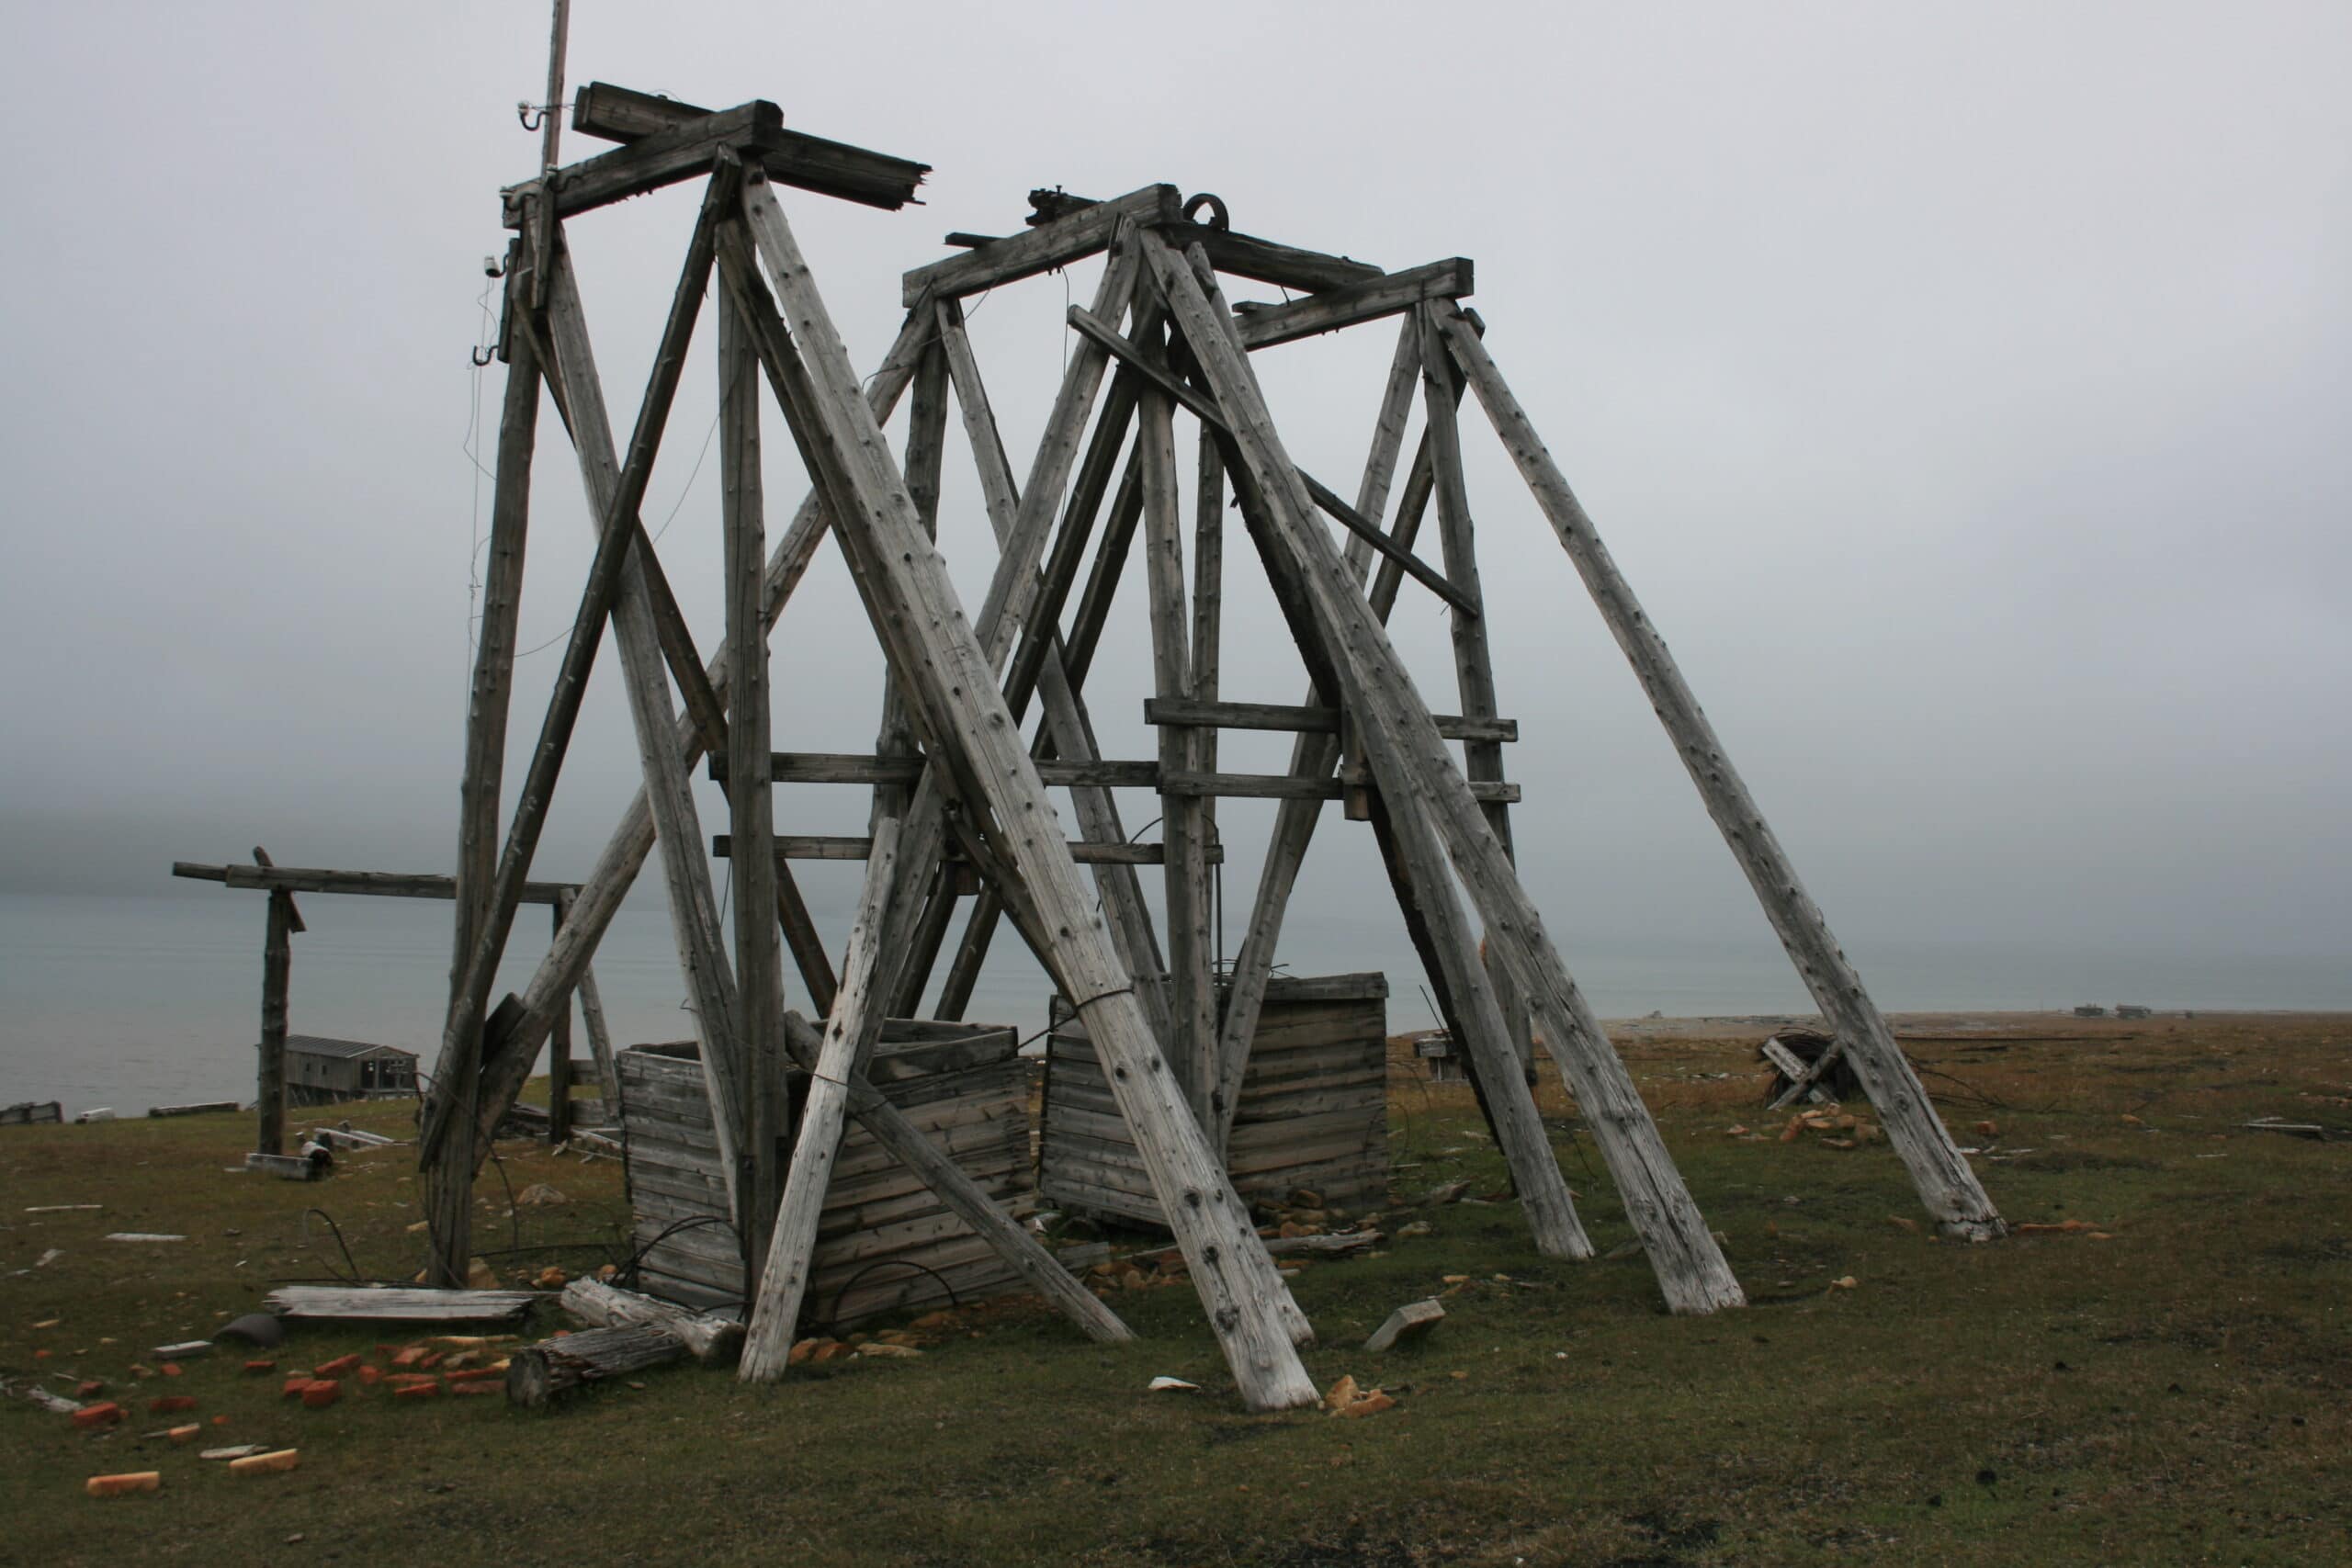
{"points": [[2174, 1393]]}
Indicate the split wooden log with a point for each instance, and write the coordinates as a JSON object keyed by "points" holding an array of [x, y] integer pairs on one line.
{"points": [[1416, 773], [951, 686], [540, 1374], [712, 1339], [1942, 1176]]}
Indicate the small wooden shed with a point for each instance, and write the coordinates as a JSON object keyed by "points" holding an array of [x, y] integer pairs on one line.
{"points": [[1314, 1109], [320, 1071], [886, 1241]]}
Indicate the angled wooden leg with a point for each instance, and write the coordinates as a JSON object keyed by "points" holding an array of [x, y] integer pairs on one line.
{"points": [[1314, 756], [951, 677], [1938, 1171], [1410, 763]]}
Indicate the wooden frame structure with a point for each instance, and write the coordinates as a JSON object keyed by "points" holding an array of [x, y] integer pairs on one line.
{"points": [[960, 787]]}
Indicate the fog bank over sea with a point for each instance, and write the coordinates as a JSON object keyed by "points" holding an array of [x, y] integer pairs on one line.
{"points": [[132, 1001]]}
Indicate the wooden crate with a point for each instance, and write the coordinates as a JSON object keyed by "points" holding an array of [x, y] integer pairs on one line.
{"points": [[1314, 1110], [962, 1085]]}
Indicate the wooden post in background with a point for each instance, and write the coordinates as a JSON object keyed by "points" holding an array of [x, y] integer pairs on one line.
{"points": [[276, 966], [560, 1051]]}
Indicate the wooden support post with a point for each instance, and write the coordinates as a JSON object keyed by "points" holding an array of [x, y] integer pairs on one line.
{"points": [[600, 1042], [694, 908], [1474, 665], [448, 1147], [277, 969], [751, 800], [1942, 1175], [926, 455], [1416, 773], [971, 952], [1314, 756], [1190, 1040], [559, 1058], [609, 881], [949, 675], [1473, 1011], [784, 1279]]}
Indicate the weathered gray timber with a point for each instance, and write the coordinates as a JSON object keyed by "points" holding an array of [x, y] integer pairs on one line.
{"points": [[750, 806], [600, 1038], [950, 683], [1942, 1176], [1416, 773], [1407, 1324], [1313, 1112], [1083, 233], [1368, 300], [849, 846], [539, 1374], [277, 969], [1300, 720], [1190, 1041], [776, 1305], [1317, 753], [790, 157], [558, 1059], [397, 1303], [712, 1339], [371, 884]]}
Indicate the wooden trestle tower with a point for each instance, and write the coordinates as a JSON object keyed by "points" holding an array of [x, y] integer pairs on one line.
{"points": [[960, 806]]}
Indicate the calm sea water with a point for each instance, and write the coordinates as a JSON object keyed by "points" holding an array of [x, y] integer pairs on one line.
{"points": [[139, 1001]]}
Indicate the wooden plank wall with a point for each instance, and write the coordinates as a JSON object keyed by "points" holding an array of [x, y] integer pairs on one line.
{"points": [[962, 1085], [1313, 1111]]}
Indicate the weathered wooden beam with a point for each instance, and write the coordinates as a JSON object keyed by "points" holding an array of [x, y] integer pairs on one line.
{"points": [[277, 969], [784, 1279], [1941, 1173], [1411, 764], [842, 846], [1262, 326], [600, 1040], [538, 1375], [489, 697], [951, 675], [1191, 1041], [1288, 787], [1083, 233], [1243, 255], [750, 806], [1315, 754], [1299, 720], [559, 1058], [665, 142], [371, 883], [711, 1338]]}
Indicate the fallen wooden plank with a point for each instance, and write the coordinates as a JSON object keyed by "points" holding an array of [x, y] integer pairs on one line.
{"points": [[292, 1167], [200, 1108], [397, 1303]]}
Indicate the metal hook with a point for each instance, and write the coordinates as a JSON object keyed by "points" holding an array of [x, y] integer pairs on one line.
{"points": [[482, 357], [530, 114]]}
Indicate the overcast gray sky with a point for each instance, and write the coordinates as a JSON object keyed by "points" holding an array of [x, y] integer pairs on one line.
{"points": [[1965, 390]]}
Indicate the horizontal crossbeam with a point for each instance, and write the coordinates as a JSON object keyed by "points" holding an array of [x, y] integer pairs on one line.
{"points": [[1304, 720], [1391, 294], [374, 884], [852, 768], [826, 846]]}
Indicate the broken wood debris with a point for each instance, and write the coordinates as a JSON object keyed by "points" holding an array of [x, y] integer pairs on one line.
{"points": [[398, 1303]]}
